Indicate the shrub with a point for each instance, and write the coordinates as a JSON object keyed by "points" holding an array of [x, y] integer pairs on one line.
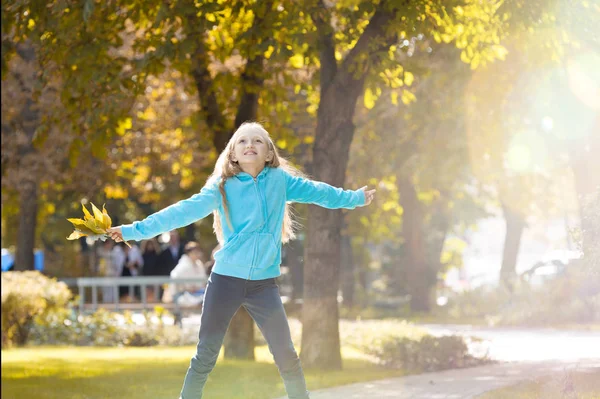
{"points": [[573, 298], [25, 297], [427, 353], [105, 328]]}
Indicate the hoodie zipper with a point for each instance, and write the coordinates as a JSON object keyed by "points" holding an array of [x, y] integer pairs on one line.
{"points": [[255, 237]]}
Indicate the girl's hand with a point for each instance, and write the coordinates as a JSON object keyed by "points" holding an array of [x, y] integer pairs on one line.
{"points": [[115, 233], [369, 195]]}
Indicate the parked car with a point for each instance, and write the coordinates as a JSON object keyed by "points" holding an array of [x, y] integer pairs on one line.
{"points": [[552, 266]]}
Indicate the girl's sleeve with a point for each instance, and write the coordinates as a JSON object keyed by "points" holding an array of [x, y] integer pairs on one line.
{"points": [[299, 189], [175, 216]]}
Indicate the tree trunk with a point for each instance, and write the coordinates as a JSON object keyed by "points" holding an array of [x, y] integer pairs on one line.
{"points": [[28, 191], [239, 340], [438, 228], [320, 331], [295, 262], [340, 87], [515, 224], [348, 272], [419, 274], [27, 224]]}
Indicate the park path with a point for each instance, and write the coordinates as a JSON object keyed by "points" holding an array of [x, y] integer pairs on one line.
{"points": [[525, 354], [453, 384]]}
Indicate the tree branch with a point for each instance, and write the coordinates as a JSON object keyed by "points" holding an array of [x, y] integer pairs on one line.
{"points": [[252, 79], [320, 17], [206, 90], [376, 29]]}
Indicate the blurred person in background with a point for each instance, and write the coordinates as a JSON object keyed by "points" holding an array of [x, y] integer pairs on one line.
{"points": [[106, 268], [189, 266], [150, 253], [169, 257]]}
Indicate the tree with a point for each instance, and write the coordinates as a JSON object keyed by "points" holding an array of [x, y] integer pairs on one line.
{"points": [[47, 52], [362, 39]]}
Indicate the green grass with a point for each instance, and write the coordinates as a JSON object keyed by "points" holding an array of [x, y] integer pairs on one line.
{"points": [[579, 385], [155, 373]]}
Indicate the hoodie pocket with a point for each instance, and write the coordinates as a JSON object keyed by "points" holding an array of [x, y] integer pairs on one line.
{"points": [[237, 250], [267, 252], [255, 249]]}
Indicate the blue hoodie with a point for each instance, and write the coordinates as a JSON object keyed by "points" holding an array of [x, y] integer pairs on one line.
{"points": [[252, 245]]}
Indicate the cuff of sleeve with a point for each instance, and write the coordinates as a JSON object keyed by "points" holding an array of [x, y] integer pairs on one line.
{"points": [[127, 232], [362, 197]]}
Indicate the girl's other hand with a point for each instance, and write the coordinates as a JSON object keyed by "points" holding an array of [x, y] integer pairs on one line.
{"points": [[369, 195], [115, 233]]}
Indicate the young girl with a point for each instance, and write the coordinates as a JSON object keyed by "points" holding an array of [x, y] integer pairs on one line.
{"points": [[248, 193]]}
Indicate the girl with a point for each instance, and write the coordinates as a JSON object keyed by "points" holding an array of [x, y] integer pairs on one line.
{"points": [[248, 193]]}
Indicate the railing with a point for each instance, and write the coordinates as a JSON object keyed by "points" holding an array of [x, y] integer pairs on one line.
{"points": [[115, 282]]}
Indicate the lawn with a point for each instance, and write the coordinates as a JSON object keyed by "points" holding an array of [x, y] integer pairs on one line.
{"points": [[566, 385], [155, 373]]}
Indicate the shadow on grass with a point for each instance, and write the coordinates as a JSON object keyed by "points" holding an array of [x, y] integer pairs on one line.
{"points": [[93, 373], [58, 378]]}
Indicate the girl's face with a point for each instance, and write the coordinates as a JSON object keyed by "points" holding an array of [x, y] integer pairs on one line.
{"points": [[251, 148]]}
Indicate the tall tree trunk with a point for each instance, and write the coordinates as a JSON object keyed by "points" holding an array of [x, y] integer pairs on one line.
{"points": [[295, 262], [515, 224], [419, 274], [348, 272], [437, 231], [340, 88], [239, 340], [320, 332], [28, 191], [27, 223]]}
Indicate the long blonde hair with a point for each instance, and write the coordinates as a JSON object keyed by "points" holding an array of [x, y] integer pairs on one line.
{"points": [[226, 168]]}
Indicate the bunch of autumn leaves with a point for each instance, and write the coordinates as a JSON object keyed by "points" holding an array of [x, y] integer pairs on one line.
{"points": [[95, 227]]}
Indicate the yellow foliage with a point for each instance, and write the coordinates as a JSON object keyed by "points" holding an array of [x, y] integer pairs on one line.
{"points": [[408, 97], [124, 125], [297, 60], [369, 98], [269, 52], [115, 192], [92, 226]]}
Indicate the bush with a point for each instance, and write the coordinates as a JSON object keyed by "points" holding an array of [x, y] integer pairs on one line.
{"points": [[428, 353], [25, 297], [105, 328], [573, 298]]}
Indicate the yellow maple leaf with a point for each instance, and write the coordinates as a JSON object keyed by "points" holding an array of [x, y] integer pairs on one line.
{"points": [[95, 227]]}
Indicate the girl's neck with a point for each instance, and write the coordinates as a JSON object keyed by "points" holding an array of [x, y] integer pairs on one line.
{"points": [[252, 170]]}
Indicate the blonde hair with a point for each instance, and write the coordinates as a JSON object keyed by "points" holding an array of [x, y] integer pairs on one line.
{"points": [[226, 168]]}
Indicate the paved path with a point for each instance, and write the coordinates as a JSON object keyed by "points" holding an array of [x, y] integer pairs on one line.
{"points": [[452, 384], [525, 354]]}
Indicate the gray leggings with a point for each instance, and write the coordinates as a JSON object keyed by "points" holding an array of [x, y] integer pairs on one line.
{"points": [[224, 295]]}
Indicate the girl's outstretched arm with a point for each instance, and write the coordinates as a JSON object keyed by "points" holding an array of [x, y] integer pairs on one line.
{"points": [[172, 217], [299, 189]]}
